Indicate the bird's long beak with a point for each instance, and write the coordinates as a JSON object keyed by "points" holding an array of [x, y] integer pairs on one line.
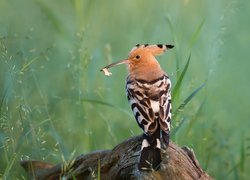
{"points": [[105, 69], [124, 61]]}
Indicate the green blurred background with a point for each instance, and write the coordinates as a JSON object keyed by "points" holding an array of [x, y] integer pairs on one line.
{"points": [[56, 104]]}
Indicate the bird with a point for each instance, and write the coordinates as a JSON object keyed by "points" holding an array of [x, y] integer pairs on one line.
{"points": [[148, 90]]}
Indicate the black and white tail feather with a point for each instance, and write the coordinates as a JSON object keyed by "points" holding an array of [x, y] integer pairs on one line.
{"points": [[151, 105]]}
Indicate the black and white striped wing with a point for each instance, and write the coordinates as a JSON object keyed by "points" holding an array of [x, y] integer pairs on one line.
{"points": [[151, 101], [165, 107], [141, 107]]}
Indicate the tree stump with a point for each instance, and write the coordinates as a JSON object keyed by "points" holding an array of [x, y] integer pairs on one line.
{"points": [[121, 163]]}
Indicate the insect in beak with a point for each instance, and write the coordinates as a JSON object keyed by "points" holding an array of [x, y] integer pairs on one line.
{"points": [[105, 69]]}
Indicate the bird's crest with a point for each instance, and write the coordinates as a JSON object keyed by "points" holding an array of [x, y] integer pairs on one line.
{"points": [[155, 50], [142, 58]]}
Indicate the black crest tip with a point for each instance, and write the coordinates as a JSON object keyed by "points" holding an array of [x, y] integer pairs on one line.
{"points": [[160, 45], [169, 46]]}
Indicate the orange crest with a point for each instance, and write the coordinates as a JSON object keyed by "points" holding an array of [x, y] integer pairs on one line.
{"points": [[141, 61], [155, 50]]}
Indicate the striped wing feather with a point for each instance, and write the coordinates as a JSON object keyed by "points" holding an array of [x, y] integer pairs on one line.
{"points": [[150, 101]]}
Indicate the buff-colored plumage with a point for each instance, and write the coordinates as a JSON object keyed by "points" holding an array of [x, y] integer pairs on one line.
{"points": [[148, 92], [143, 64]]}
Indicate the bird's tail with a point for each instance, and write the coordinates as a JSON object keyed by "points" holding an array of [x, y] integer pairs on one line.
{"points": [[150, 158]]}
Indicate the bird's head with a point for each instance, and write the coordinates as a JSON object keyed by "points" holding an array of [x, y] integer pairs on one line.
{"points": [[142, 58]]}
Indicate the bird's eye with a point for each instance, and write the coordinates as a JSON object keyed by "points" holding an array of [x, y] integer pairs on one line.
{"points": [[137, 57]]}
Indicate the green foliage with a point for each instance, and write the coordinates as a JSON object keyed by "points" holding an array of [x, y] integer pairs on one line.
{"points": [[56, 104], [182, 106], [176, 90]]}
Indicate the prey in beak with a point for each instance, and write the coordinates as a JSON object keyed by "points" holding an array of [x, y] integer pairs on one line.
{"points": [[141, 56], [105, 69]]}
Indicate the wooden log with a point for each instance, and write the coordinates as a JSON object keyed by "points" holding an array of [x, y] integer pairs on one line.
{"points": [[121, 163]]}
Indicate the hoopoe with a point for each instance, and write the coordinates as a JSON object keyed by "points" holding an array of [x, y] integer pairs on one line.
{"points": [[148, 92]]}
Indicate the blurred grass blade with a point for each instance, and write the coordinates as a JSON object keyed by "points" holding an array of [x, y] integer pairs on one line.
{"points": [[58, 26], [196, 34], [3, 98], [182, 106], [98, 102], [180, 79], [94, 101], [10, 165], [235, 169], [194, 118], [26, 65], [242, 155], [174, 131], [171, 27], [188, 99]]}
